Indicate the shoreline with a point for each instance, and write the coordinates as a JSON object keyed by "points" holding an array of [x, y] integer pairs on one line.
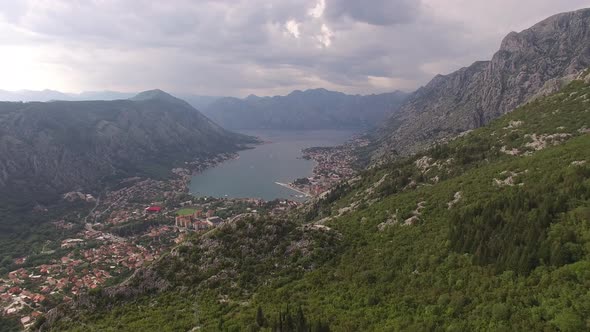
{"points": [[292, 188]]}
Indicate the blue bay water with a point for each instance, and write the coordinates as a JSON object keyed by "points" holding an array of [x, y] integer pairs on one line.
{"points": [[254, 173]]}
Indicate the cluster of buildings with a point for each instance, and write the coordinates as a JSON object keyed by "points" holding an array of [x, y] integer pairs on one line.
{"points": [[17, 297], [118, 256], [334, 164], [29, 291], [198, 220], [15, 300], [93, 255], [127, 204]]}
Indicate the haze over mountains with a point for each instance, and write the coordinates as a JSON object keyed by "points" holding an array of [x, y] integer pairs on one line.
{"points": [[199, 102], [310, 109], [49, 95]]}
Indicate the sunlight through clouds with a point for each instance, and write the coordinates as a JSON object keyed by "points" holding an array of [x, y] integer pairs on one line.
{"points": [[318, 10], [338, 44], [293, 28], [325, 38]]}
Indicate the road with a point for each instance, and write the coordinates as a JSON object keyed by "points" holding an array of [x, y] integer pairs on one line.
{"points": [[113, 237]]}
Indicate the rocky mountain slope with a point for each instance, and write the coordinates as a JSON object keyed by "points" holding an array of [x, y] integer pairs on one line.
{"points": [[51, 148], [486, 232], [533, 62], [310, 109]]}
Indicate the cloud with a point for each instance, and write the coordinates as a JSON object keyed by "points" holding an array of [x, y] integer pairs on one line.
{"points": [[376, 12], [325, 36], [293, 28], [318, 10], [238, 47]]}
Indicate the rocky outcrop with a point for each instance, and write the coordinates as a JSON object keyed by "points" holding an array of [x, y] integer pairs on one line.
{"points": [[534, 62]]}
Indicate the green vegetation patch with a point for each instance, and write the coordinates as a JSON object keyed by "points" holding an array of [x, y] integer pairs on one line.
{"points": [[186, 211]]}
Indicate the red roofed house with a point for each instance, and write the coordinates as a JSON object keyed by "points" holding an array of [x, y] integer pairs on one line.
{"points": [[14, 290], [153, 209], [38, 298]]}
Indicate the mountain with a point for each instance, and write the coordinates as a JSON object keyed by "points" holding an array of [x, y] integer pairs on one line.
{"points": [[51, 148], [158, 95], [310, 109], [533, 62], [488, 231], [198, 102]]}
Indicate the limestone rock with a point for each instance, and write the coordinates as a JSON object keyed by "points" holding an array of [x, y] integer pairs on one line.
{"points": [[534, 62]]}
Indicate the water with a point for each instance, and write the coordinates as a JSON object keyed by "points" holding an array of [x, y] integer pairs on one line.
{"points": [[254, 173]]}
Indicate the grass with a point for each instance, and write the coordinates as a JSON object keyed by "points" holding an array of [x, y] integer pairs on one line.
{"points": [[186, 211]]}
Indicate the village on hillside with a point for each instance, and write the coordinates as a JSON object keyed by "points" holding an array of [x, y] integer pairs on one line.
{"points": [[333, 164], [134, 225], [124, 231]]}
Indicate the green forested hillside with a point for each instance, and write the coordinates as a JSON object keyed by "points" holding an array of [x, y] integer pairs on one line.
{"points": [[490, 231], [49, 149]]}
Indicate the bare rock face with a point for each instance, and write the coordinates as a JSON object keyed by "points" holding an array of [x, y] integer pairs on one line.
{"points": [[531, 63]]}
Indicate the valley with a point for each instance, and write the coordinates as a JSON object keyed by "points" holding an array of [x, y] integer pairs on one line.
{"points": [[411, 242], [126, 230], [132, 225], [280, 159], [461, 206]]}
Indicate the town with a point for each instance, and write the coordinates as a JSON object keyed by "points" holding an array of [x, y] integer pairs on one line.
{"points": [[333, 164], [133, 224], [122, 233]]}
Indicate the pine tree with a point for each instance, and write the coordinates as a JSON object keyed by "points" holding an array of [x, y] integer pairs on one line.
{"points": [[260, 319]]}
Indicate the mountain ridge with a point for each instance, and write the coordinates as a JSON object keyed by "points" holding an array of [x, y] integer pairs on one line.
{"points": [[553, 49], [308, 109], [55, 147]]}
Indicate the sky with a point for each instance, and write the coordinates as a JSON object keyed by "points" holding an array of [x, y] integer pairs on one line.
{"points": [[262, 47]]}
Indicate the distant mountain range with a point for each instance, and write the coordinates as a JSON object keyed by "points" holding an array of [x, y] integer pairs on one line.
{"points": [[198, 102], [534, 62], [310, 109], [49, 148]]}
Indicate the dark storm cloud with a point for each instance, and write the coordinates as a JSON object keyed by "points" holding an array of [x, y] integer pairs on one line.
{"points": [[237, 47]]}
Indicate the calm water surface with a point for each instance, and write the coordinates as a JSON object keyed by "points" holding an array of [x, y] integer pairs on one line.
{"points": [[255, 172]]}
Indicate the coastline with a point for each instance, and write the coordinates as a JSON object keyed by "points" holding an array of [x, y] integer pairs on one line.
{"points": [[293, 188]]}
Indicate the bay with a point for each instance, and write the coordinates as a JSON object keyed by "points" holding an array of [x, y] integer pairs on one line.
{"points": [[255, 173]]}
